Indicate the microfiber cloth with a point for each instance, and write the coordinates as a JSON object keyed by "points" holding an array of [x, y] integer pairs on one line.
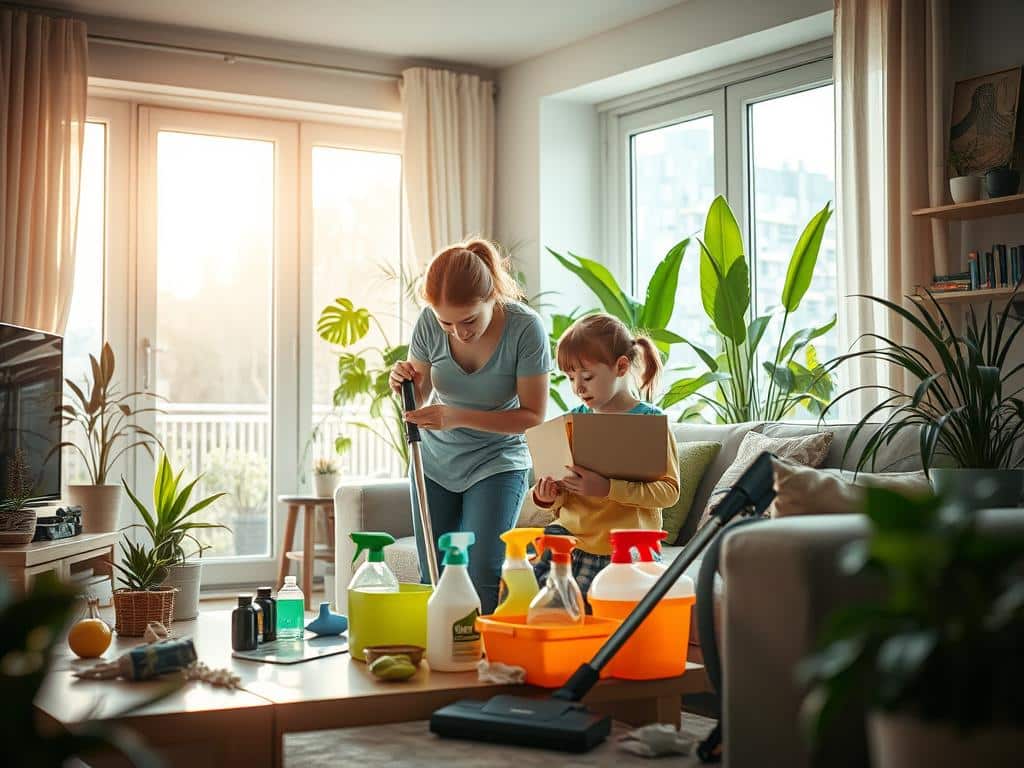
{"points": [[501, 674], [655, 740]]}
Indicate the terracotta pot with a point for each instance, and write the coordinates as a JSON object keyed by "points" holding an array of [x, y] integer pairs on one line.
{"points": [[902, 741], [965, 189], [17, 527], [101, 506]]}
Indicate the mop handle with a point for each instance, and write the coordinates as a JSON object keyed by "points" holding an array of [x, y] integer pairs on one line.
{"points": [[750, 495], [412, 432]]}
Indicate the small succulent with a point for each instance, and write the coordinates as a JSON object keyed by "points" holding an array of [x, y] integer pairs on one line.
{"points": [[325, 466], [19, 488], [142, 568]]}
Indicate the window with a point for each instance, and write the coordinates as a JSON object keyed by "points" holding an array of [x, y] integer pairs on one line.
{"points": [[83, 335], [768, 145]]}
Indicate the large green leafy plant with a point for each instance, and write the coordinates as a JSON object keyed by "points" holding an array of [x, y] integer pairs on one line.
{"points": [[171, 522], [963, 402], [363, 372], [741, 392], [942, 642], [106, 417]]}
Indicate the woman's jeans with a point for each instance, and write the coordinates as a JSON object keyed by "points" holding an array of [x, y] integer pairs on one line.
{"points": [[488, 509]]}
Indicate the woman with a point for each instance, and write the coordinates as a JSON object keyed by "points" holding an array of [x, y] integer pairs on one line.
{"points": [[484, 357]]}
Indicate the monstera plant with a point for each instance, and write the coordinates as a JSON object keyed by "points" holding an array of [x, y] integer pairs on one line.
{"points": [[748, 385], [363, 372]]}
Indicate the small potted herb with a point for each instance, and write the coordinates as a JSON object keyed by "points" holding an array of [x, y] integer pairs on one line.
{"points": [[937, 657], [964, 186], [325, 476], [17, 522]]}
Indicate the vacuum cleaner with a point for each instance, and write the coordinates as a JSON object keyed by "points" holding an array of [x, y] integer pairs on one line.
{"points": [[561, 722]]}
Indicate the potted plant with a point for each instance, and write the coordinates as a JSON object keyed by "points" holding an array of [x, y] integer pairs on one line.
{"points": [[144, 597], [964, 187], [936, 658], [963, 402], [169, 524], [325, 476], [17, 522], [106, 418], [1002, 181]]}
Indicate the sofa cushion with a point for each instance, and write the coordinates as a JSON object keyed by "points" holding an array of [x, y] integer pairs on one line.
{"points": [[730, 436], [809, 450], [901, 455], [694, 459], [804, 491]]}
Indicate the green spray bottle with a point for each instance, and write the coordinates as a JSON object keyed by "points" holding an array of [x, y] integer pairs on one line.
{"points": [[373, 575]]}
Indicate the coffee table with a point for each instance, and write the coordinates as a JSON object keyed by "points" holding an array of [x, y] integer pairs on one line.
{"points": [[201, 725]]}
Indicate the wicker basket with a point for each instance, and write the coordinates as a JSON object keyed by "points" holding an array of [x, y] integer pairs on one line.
{"points": [[133, 610]]}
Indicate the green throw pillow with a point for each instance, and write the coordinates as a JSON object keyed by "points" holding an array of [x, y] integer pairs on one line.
{"points": [[694, 459]]}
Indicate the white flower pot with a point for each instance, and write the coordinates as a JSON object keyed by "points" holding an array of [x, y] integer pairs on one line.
{"points": [[186, 577], [101, 506], [965, 189], [17, 527], [325, 484], [901, 741]]}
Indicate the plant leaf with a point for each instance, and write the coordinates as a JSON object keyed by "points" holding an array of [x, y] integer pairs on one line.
{"points": [[601, 282], [660, 301], [342, 323], [804, 259], [722, 246]]}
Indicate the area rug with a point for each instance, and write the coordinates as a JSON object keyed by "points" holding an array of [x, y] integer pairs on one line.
{"points": [[411, 744]]}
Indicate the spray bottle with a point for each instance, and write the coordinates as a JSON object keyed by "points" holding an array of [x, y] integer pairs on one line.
{"points": [[560, 600], [453, 642], [518, 584], [373, 575]]}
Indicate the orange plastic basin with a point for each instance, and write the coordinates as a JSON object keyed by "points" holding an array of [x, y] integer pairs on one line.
{"points": [[549, 654], [659, 645]]}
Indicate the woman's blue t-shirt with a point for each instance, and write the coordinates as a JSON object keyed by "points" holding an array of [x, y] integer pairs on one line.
{"points": [[458, 458]]}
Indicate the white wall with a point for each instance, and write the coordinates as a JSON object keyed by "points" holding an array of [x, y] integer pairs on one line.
{"points": [[135, 64], [682, 40]]}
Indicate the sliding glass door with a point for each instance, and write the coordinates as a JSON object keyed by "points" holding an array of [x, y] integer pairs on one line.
{"points": [[217, 280]]}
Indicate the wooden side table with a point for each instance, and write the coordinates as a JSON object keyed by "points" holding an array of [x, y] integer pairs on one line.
{"points": [[309, 554]]}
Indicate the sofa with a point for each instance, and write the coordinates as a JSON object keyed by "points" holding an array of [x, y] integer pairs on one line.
{"points": [[384, 505]]}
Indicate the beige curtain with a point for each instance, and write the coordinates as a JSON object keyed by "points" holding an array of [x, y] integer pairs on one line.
{"points": [[891, 78], [42, 127], [447, 157]]}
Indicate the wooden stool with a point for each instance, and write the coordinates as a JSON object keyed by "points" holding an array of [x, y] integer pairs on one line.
{"points": [[310, 552]]}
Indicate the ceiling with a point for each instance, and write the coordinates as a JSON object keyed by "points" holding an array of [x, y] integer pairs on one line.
{"points": [[487, 33]]}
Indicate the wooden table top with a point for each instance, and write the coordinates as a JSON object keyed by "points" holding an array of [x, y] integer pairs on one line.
{"points": [[305, 499], [36, 552], [328, 679]]}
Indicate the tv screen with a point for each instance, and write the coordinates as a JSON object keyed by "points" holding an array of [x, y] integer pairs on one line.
{"points": [[31, 382]]}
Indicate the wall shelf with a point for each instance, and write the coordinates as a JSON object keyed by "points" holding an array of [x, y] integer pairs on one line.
{"points": [[980, 209], [970, 297]]}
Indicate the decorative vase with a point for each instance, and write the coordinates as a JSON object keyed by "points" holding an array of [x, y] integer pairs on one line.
{"points": [[965, 189], [979, 488], [134, 610], [901, 741], [327, 623], [101, 506], [17, 527], [325, 485], [1000, 182], [186, 578]]}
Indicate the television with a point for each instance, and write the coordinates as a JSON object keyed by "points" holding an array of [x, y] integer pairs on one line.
{"points": [[31, 384]]}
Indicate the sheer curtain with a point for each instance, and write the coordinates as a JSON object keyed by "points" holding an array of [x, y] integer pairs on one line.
{"points": [[447, 157], [891, 84], [43, 81]]}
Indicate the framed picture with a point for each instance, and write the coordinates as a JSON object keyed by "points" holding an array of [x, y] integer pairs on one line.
{"points": [[984, 131]]}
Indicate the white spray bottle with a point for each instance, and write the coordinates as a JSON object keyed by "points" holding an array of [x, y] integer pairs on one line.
{"points": [[453, 642]]}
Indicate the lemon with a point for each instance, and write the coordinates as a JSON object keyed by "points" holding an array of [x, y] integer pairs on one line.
{"points": [[89, 638]]}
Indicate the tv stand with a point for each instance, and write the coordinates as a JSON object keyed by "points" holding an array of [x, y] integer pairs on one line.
{"points": [[70, 559]]}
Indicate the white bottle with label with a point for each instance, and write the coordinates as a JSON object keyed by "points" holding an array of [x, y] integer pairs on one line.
{"points": [[453, 642]]}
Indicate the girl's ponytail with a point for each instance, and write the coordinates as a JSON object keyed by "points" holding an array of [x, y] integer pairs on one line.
{"points": [[650, 366]]}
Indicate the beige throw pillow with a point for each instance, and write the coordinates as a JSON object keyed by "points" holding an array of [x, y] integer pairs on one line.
{"points": [[804, 491], [808, 450]]}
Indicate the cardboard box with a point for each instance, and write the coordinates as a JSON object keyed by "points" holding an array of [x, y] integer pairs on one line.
{"points": [[622, 446]]}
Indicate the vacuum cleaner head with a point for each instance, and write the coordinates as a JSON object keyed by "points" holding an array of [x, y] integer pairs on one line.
{"points": [[546, 723]]}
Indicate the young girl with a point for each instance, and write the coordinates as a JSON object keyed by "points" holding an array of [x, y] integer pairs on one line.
{"points": [[603, 360]]}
